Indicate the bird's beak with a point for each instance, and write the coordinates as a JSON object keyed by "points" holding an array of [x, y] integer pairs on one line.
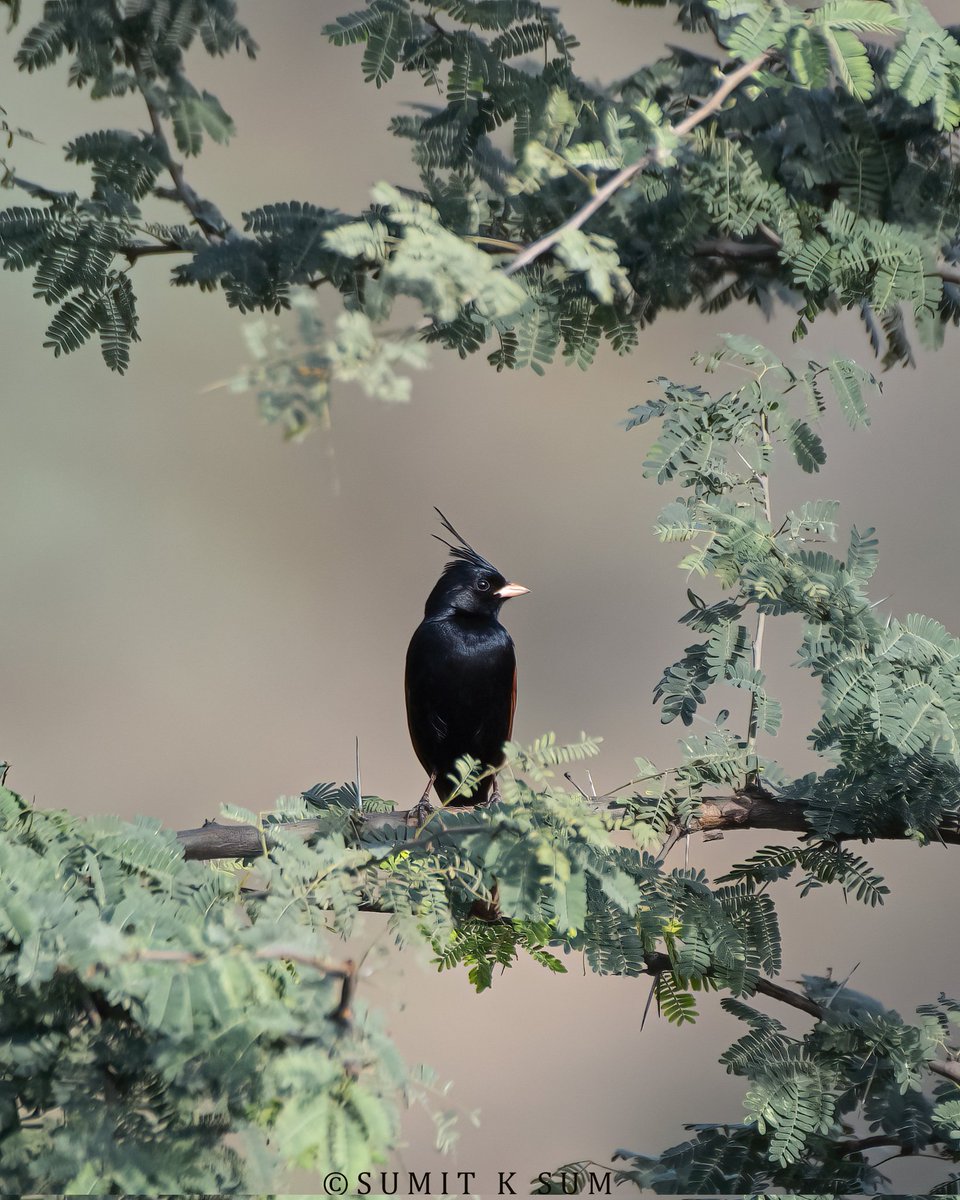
{"points": [[511, 589]]}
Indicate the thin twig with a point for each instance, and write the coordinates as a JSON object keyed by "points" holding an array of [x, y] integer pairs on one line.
{"points": [[493, 243], [674, 836], [262, 954], [625, 174], [40, 191], [858, 1145], [728, 248], [753, 718], [359, 791], [639, 779], [570, 779], [214, 226], [841, 985]]}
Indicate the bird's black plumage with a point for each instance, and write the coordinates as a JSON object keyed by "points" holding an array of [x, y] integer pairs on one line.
{"points": [[461, 674]]}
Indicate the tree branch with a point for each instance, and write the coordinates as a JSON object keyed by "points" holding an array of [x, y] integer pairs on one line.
{"points": [[262, 954], [770, 249], [758, 810], [40, 191], [858, 1145], [625, 174], [949, 1070], [744, 810], [728, 248], [346, 971], [948, 272], [215, 840], [137, 250], [659, 962]]}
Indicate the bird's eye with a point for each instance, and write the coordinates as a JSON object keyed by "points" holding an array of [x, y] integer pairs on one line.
{"points": [[483, 585]]}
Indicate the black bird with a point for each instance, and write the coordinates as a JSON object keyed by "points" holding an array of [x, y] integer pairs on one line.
{"points": [[461, 676]]}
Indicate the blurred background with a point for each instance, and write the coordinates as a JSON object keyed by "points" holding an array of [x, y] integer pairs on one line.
{"points": [[195, 612]]}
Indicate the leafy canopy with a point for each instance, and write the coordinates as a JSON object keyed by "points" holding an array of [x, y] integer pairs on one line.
{"points": [[826, 180]]}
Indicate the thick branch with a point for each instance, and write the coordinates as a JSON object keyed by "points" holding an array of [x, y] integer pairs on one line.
{"points": [[734, 250], [625, 174], [949, 1070], [136, 250], [215, 840], [753, 810], [745, 810]]}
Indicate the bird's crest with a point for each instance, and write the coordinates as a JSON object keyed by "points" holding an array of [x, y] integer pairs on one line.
{"points": [[464, 551]]}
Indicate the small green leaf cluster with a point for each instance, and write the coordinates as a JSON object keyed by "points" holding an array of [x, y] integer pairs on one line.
{"points": [[72, 248], [720, 450], [292, 375], [76, 246]]}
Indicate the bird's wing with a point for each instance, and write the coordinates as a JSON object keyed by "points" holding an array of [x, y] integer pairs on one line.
{"points": [[513, 703]]}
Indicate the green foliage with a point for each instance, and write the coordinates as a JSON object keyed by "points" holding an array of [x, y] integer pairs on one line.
{"points": [[155, 1018], [484, 947], [829, 181], [292, 376], [889, 699], [889, 718], [858, 1057], [81, 249], [72, 250]]}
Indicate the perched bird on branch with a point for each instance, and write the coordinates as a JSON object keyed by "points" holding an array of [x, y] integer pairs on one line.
{"points": [[461, 676]]}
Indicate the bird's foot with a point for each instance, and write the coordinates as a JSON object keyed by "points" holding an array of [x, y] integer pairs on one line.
{"points": [[493, 796], [423, 808], [420, 812]]}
